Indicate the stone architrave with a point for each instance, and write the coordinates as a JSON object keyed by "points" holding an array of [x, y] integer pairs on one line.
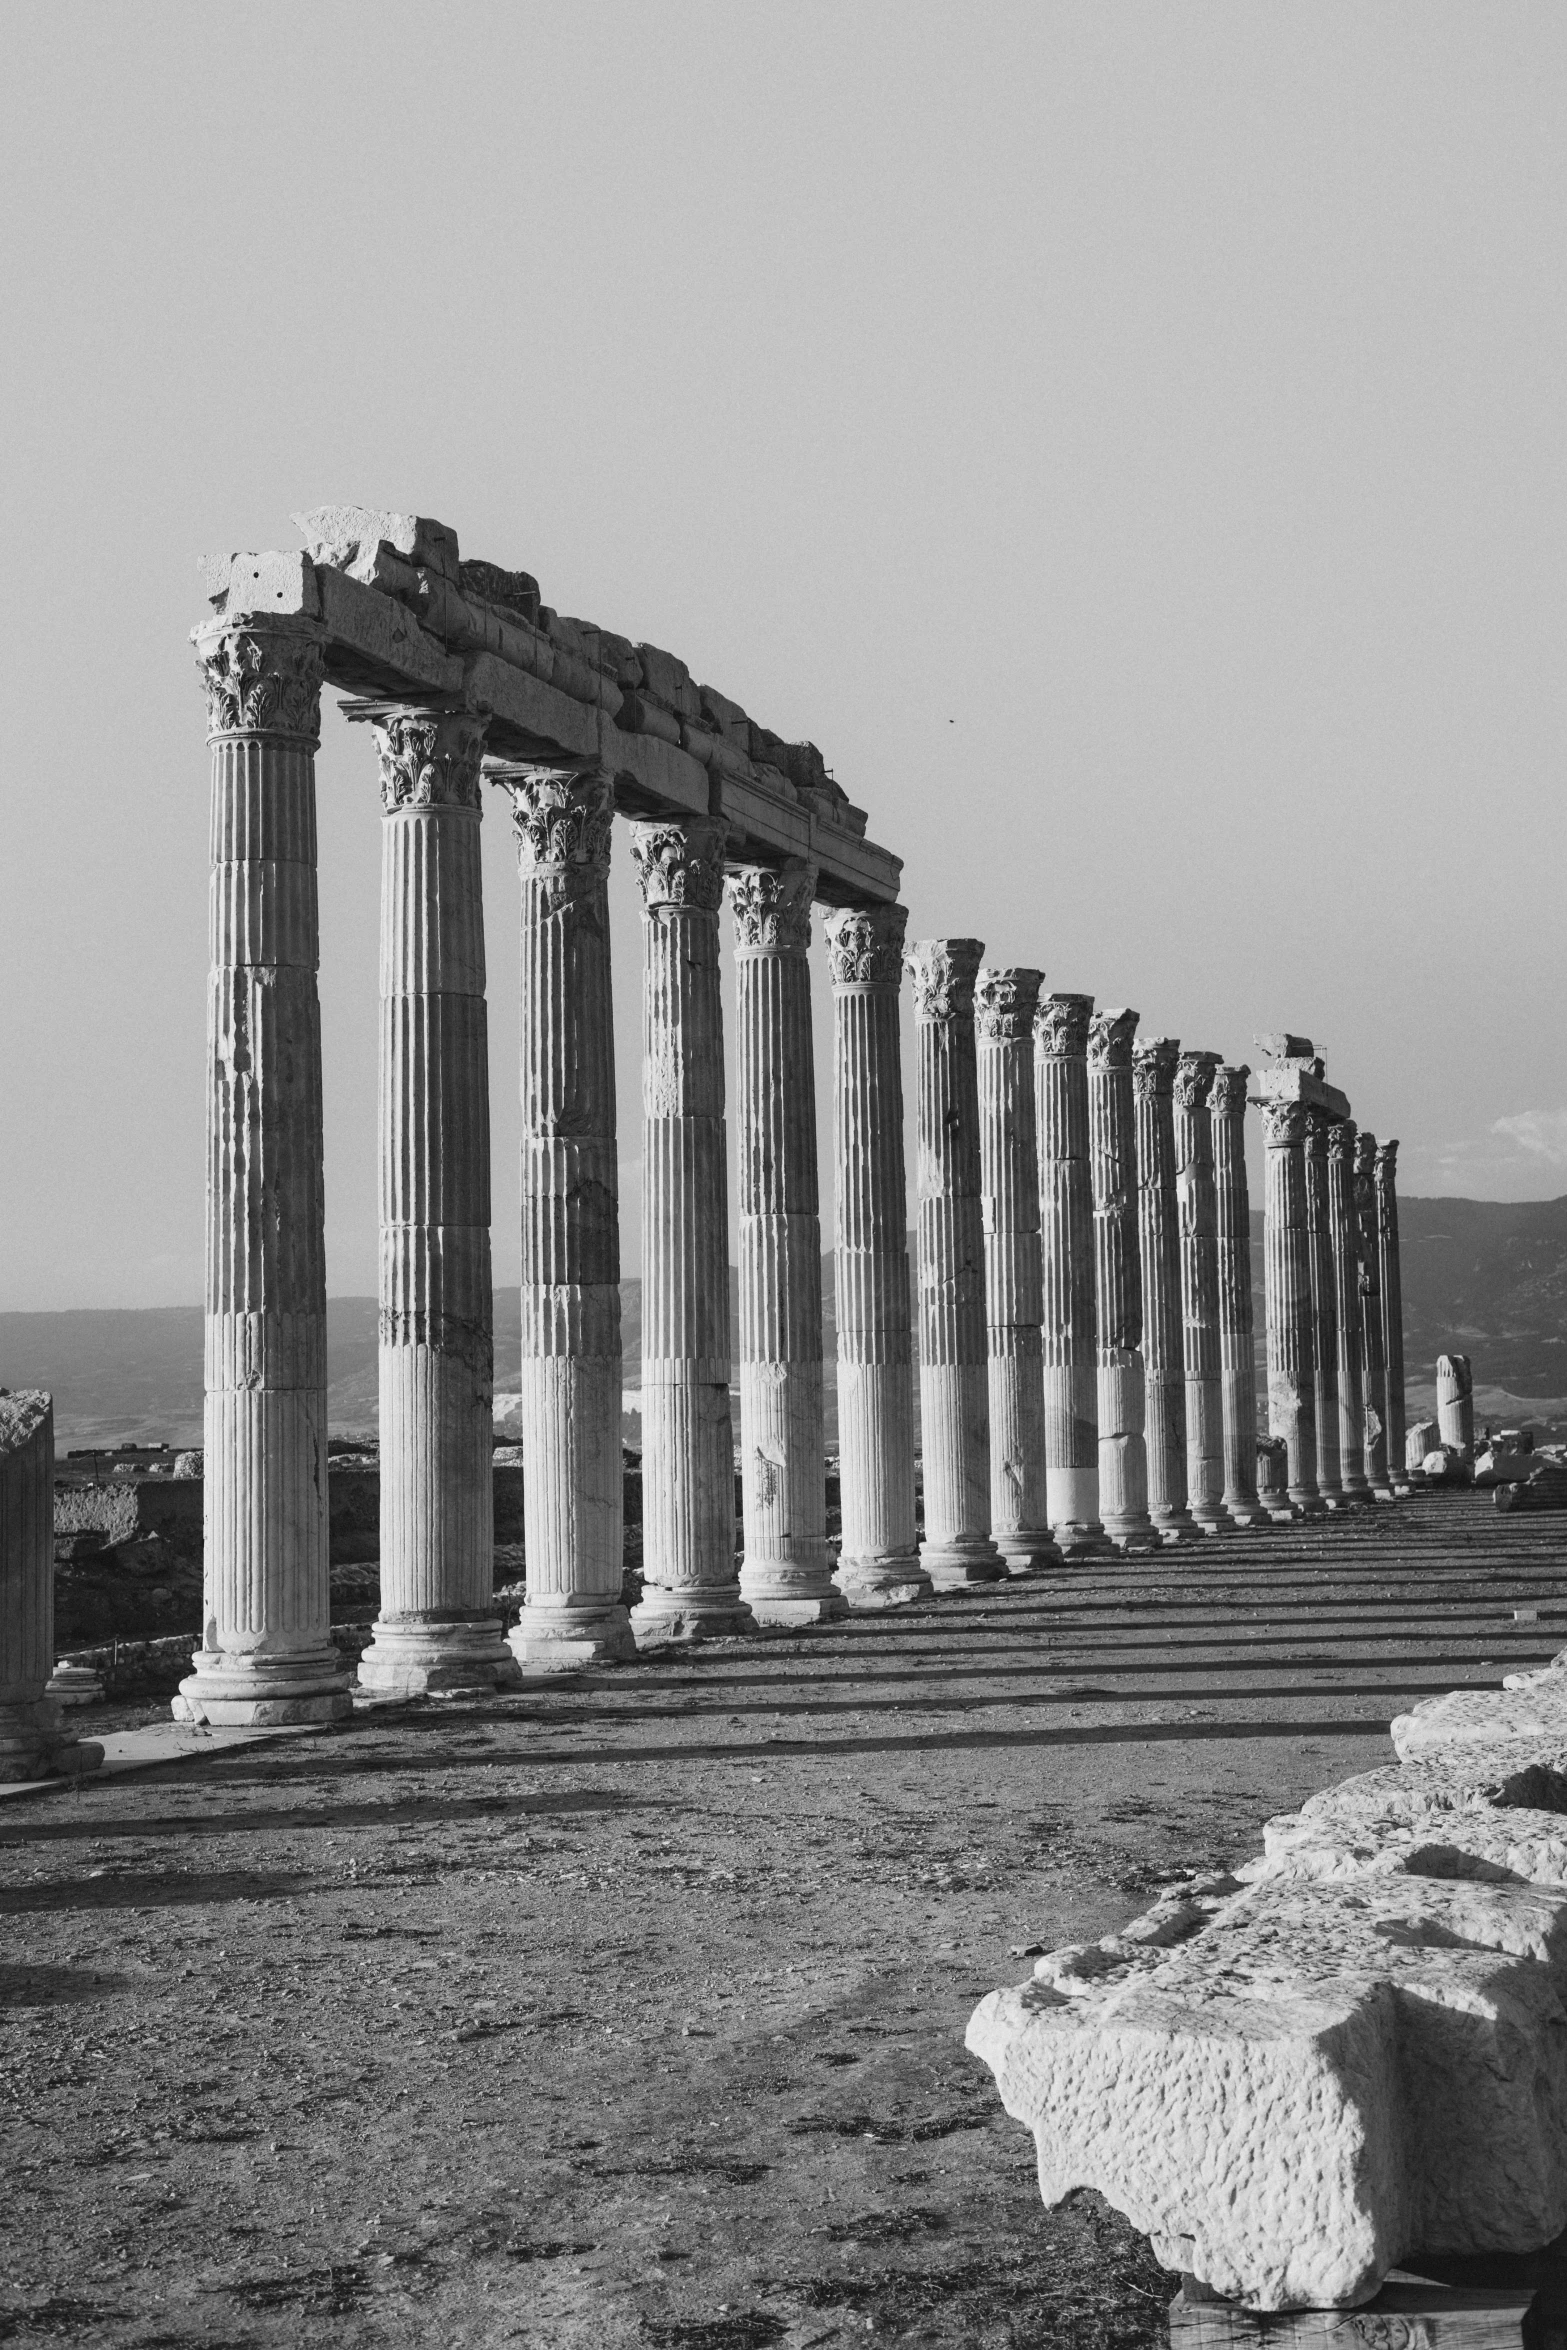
{"points": [[1287, 1285], [1455, 1408], [1066, 1204], [33, 1742], [954, 1399], [1004, 1006], [786, 1576], [1237, 1355], [691, 1588], [1324, 1309], [437, 1630], [1159, 1243], [1388, 1265], [1344, 1235], [1197, 1210], [879, 1562], [267, 1652], [1118, 1283], [573, 1483], [1373, 1364]]}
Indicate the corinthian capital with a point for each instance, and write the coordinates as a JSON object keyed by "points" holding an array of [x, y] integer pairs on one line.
{"points": [[262, 677], [1318, 1128], [1153, 1068], [943, 971], [563, 820], [1341, 1143], [771, 905], [1005, 1002], [1111, 1035], [429, 758], [1387, 1165], [1193, 1080], [1283, 1124], [1228, 1098], [1365, 1154], [865, 945], [680, 862], [1061, 1026]]}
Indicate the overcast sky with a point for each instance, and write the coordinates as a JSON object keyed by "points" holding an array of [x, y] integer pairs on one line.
{"points": [[1126, 438]]}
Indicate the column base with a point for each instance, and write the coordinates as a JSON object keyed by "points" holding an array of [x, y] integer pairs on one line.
{"points": [[75, 1684], [33, 1745], [952, 1566], [1027, 1550], [792, 1591], [1133, 1534], [236, 1689], [563, 1636], [1245, 1512], [688, 1612], [417, 1656], [883, 1582], [1077, 1539], [1175, 1526], [1309, 1504], [1213, 1521]]}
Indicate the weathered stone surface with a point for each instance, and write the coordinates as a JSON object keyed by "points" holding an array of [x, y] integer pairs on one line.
{"points": [[1482, 1717], [32, 1742], [1455, 1411]]}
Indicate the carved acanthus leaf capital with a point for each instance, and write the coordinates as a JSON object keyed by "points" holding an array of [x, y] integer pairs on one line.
{"points": [[680, 862], [771, 905], [1318, 1127], [1387, 1163], [1365, 1153], [1061, 1026], [1111, 1035], [1193, 1080], [943, 972], [1283, 1124], [1153, 1068], [1341, 1143], [1005, 1003], [865, 945], [262, 678], [429, 758], [1228, 1098], [563, 820]]}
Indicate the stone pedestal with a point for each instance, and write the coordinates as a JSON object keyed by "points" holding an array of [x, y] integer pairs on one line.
{"points": [[33, 1743], [786, 1577], [954, 1386], [1237, 1356], [1198, 1211], [691, 1588], [1344, 1236], [1118, 1283], [1455, 1410], [1004, 1007], [1388, 1266], [1373, 1363], [437, 1632], [879, 1562], [1324, 1310], [267, 1653], [1066, 1203], [1292, 1404], [1159, 1240], [573, 1487]]}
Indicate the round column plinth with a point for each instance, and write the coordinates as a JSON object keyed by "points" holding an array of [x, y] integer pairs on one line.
{"points": [[422, 1656], [229, 1689], [894, 1580], [555, 1635], [690, 1612]]}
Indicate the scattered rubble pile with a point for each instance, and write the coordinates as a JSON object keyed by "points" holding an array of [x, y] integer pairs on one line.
{"points": [[1353, 2050]]}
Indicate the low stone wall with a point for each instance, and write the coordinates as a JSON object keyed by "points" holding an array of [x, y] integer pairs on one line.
{"points": [[1353, 2050]]}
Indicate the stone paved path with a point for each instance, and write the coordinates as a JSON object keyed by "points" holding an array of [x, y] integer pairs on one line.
{"points": [[629, 2011]]}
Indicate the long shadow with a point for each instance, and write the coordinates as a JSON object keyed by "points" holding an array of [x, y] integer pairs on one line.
{"points": [[56, 1986], [931, 1673], [977, 1741], [156, 1892], [401, 1811]]}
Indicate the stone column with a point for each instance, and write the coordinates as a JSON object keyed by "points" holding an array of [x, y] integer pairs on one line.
{"points": [[787, 1575], [1004, 1006], [1455, 1410], [691, 1587], [1197, 1209], [1118, 1283], [437, 1629], [1373, 1364], [1237, 1355], [1066, 1201], [1324, 1309], [573, 1484], [34, 1744], [1391, 1272], [1159, 1243], [1344, 1234], [267, 1653], [879, 1563], [1287, 1278], [954, 1401]]}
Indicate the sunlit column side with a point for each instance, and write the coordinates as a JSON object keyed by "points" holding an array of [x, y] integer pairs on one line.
{"points": [[266, 1653], [1455, 1407], [691, 1588], [1118, 1283], [571, 1374], [1159, 1248], [1066, 1215], [786, 1575], [1237, 1337], [1198, 1212], [34, 1744], [1004, 1007], [1373, 1362], [954, 1397], [879, 1562], [1392, 1309], [1287, 1282], [1324, 1310], [1344, 1237]]}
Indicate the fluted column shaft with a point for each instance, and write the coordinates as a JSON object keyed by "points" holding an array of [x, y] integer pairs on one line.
{"points": [[691, 1587], [1455, 1409], [1324, 1309], [954, 1383], [1159, 1243], [1066, 1214], [267, 1651], [1198, 1211], [1237, 1355], [1344, 1236], [879, 1563], [1287, 1280], [1373, 1361], [573, 1484], [33, 1742], [1118, 1281], [786, 1576], [1392, 1278], [1004, 1007]]}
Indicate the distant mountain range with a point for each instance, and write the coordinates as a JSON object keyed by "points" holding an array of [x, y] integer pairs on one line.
{"points": [[1484, 1276]]}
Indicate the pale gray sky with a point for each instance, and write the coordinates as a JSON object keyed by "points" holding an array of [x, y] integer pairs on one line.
{"points": [[1126, 438]]}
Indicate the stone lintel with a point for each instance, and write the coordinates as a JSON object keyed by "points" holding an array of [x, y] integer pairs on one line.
{"points": [[1297, 1081]]}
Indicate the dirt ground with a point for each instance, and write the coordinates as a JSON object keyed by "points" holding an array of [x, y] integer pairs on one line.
{"points": [[628, 2010]]}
